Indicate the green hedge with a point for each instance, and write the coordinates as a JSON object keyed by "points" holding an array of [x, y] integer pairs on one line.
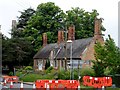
{"points": [[31, 77]]}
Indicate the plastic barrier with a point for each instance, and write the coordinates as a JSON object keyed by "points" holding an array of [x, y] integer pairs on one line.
{"points": [[97, 82], [11, 79], [58, 84]]}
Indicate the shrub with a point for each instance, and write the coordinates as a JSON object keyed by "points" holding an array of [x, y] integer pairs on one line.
{"points": [[31, 77], [87, 71], [62, 74], [107, 72], [49, 69], [99, 68], [28, 68], [11, 74], [18, 74], [76, 71]]}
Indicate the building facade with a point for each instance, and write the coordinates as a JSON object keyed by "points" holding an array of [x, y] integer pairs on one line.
{"points": [[78, 53]]}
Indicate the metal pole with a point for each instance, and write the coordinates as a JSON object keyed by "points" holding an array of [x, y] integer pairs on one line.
{"points": [[78, 69], [72, 62], [66, 49]]}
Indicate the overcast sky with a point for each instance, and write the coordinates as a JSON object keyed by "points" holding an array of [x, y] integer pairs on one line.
{"points": [[108, 9]]}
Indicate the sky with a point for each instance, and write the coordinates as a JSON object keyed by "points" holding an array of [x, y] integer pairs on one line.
{"points": [[108, 10]]}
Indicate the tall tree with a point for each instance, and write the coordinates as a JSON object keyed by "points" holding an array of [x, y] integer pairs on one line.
{"points": [[16, 52], [47, 18], [50, 18], [22, 22], [83, 21], [24, 17], [107, 56]]}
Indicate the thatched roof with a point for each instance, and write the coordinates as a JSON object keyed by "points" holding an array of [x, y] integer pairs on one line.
{"points": [[78, 46]]}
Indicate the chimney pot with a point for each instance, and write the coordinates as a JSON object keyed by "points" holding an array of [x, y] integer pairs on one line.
{"points": [[44, 39], [98, 26], [97, 30], [60, 36], [71, 33], [14, 24]]}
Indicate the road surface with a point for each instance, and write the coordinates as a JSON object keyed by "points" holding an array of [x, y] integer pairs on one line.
{"points": [[17, 86]]}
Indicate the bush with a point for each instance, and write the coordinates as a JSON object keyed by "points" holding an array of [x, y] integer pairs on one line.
{"points": [[18, 74], [28, 68], [31, 77], [107, 72], [87, 71], [62, 74], [49, 69], [11, 74], [76, 71], [99, 68]]}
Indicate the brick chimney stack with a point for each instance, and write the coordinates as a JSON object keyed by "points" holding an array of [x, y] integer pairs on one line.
{"points": [[97, 31], [60, 36], [14, 24], [71, 33], [44, 39], [97, 28]]}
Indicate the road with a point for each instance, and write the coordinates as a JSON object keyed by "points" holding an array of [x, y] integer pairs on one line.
{"points": [[17, 86]]}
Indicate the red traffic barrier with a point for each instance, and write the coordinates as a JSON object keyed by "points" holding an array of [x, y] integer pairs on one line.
{"points": [[97, 82], [10, 79], [58, 84]]}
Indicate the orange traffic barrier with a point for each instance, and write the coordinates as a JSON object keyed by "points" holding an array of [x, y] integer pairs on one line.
{"points": [[58, 84], [97, 82], [11, 79], [107, 81]]}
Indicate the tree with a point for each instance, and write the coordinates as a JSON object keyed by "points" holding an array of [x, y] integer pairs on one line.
{"points": [[107, 56], [24, 17], [16, 51], [50, 18], [83, 21], [47, 18], [22, 22]]}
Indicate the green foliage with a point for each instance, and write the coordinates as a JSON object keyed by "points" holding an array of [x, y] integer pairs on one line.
{"points": [[51, 74], [24, 17], [83, 21], [107, 56], [87, 72], [22, 23], [47, 18], [28, 68], [31, 77], [65, 75], [19, 74], [11, 74], [107, 72], [49, 69], [50, 18], [98, 68], [17, 51]]}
